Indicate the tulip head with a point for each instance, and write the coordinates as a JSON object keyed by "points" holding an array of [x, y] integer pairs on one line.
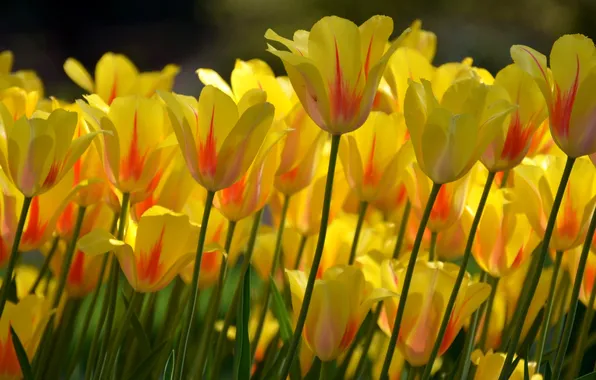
{"points": [[421, 40], [339, 304], [567, 88], [336, 68], [489, 367]]}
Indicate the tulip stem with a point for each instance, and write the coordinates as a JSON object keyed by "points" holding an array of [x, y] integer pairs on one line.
{"points": [[583, 334], [250, 246], [527, 294], [408, 278], [214, 304], [494, 283], [194, 286], [327, 369], [14, 253], [579, 277], [369, 337], [300, 252], [361, 214], [460, 277], [46, 264], [403, 226], [433, 246], [335, 139], [549, 309]]}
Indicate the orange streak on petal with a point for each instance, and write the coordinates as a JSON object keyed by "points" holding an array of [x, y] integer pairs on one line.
{"points": [[345, 102], [66, 220], [349, 334], [9, 363], [132, 166], [371, 175], [76, 272], [208, 150], [367, 59], [442, 206], [234, 194], [517, 138], [568, 224], [148, 265], [560, 113], [34, 230]]}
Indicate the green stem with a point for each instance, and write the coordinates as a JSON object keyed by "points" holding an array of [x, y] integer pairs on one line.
{"points": [[359, 373], [494, 282], [361, 214], [402, 230], [46, 264], [505, 178], [272, 271], [112, 292], [219, 347], [214, 304], [335, 139], [458, 281], [62, 338], [300, 251], [14, 253], [580, 346], [579, 276], [408, 278], [433, 246], [566, 283], [412, 372], [194, 286], [549, 309], [326, 370], [527, 294]]}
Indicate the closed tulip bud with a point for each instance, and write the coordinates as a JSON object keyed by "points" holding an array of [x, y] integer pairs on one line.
{"points": [[567, 88], [432, 281], [153, 252], [489, 366], [336, 68], [449, 136], [116, 75], [534, 191], [340, 302]]}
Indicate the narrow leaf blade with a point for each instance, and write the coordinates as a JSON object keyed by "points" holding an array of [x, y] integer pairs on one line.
{"points": [[21, 356], [280, 312]]}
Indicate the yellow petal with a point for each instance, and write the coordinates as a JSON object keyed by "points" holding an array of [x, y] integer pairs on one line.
{"points": [[78, 74], [98, 242], [211, 78]]}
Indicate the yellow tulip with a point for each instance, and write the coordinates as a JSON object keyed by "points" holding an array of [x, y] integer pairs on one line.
{"points": [[154, 251], [449, 73], [137, 136], [534, 190], [369, 155], [589, 275], [511, 145], [25, 79], [505, 239], [421, 40], [19, 102], [28, 318], [116, 75], [542, 142], [567, 88], [379, 348], [219, 138], [429, 291], [451, 243], [340, 302], [489, 367], [449, 137], [264, 250], [336, 68]]}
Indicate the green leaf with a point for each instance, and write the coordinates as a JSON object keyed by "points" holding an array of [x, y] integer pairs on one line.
{"points": [[589, 376], [276, 362], [524, 348], [143, 369], [168, 370], [242, 358], [21, 355], [138, 330], [280, 312], [526, 370]]}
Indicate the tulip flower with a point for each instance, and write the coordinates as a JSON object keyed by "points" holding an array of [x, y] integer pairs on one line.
{"points": [[589, 274], [449, 137], [340, 302], [137, 137], [28, 318], [511, 145], [535, 187], [451, 243], [336, 68], [154, 251], [264, 250], [567, 89], [489, 367], [421, 40], [423, 314], [25, 79], [116, 75], [369, 155], [219, 138], [19, 102], [449, 73]]}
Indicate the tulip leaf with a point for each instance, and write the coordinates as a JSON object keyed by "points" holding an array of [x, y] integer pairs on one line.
{"points": [[280, 312], [242, 357], [168, 371], [526, 370], [276, 362], [143, 369], [21, 356], [589, 376], [138, 330]]}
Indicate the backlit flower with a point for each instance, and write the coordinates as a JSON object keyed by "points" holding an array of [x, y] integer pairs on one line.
{"points": [[489, 367]]}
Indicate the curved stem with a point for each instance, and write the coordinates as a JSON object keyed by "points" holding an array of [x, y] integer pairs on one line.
{"points": [[359, 373], [46, 264], [250, 246], [583, 334], [433, 246], [494, 282], [579, 277], [194, 286], [458, 281], [408, 279], [14, 253], [549, 309], [214, 304], [335, 139], [402, 230], [300, 251], [527, 294], [361, 214]]}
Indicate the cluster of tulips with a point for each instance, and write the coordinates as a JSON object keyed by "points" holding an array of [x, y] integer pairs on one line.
{"points": [[357, 188]]}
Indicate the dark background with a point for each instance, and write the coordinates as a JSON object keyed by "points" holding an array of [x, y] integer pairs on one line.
{"points": [[212, 33]]}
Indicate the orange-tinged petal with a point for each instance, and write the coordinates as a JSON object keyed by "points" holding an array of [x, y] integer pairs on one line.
{"points": [[115, 76]]}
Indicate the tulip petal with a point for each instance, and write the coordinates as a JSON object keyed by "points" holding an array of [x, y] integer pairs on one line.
{"points": [[533, 63], [78, 74], [115, 76], [211, 78], [99, 242]]}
